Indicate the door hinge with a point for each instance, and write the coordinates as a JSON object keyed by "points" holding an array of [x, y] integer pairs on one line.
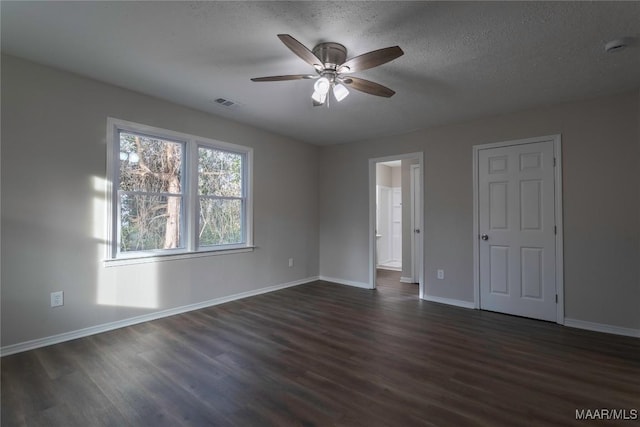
{"points": [[556, 298], [554, 162], [555, 229]]}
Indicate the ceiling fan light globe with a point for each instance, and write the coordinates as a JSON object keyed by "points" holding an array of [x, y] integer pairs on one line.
{"points": [[322, 85], [319, 97], [340, 92]]}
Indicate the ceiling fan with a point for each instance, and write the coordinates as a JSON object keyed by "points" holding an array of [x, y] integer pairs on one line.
{"points": [[332, 69]]}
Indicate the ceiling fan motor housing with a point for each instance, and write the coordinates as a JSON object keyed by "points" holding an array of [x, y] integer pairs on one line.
{"points": [[331, 54]]}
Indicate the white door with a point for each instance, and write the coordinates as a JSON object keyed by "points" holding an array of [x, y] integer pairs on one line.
{"points": [[383, 225], [416, 222], [396, 226], [517, 230]]}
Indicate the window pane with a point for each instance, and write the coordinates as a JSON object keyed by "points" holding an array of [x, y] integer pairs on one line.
{"points": [[220, 222], [150, 164], [219, 173], [149, 222]]}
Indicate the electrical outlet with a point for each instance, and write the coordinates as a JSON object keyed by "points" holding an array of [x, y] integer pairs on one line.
{"points": [[57, 299], [441, 274], [290, 262]]}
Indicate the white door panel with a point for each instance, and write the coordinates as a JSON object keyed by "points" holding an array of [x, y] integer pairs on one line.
{"points": [[517, 217], [383, 228], [416, 222], [396, 225]]}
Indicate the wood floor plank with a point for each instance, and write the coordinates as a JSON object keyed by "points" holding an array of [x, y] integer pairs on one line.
{"points": [[326, 355]]}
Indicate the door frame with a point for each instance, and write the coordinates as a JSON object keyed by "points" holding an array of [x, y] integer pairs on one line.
{"points": [[383, 189], [557, 153], [416, 246], [372, 214]]}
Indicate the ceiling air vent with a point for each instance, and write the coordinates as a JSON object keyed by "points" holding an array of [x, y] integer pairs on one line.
{"points": [[226, 103]]}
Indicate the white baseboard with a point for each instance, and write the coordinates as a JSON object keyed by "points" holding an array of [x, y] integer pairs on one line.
{"points": [[407, 280], [601, 327], [345, 282], [450, 301], [80, 333]]}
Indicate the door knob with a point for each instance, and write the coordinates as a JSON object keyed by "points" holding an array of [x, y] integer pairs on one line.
{"points": [[484, 237], [417, 230]]}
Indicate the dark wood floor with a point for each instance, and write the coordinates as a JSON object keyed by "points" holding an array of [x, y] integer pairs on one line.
{"points": [[324, 354]]}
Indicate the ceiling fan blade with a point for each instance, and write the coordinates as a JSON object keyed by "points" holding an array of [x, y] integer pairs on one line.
{"points": [[367, 86], [371, 59], [281, 78], [300, 50]]}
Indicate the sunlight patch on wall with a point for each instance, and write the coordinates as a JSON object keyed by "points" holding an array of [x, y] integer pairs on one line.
{"points": [[100, 231], [121, 286], [129, 286]]}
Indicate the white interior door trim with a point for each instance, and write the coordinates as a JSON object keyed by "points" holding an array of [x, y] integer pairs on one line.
{"points": [[383, 225], [557, 150], [372, 213], [416, 222]]}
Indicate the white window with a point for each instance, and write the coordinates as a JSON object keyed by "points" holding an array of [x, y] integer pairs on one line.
{"points": [[173, 193]]}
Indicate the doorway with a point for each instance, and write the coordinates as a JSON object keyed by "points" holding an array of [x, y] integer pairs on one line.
{"points": [[389, 209], [518, 224], [395, 218]]}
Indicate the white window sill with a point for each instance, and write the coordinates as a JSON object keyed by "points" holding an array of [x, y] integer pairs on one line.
{"points": [[144, 259]]}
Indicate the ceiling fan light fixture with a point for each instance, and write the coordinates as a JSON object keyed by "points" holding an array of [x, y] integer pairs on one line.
{"points": [[340, 91], [329, 61], [322, 85], [319, 97]]}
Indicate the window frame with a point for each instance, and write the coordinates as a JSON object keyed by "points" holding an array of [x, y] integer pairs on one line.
{"points": [[199, 197], [190, 218]]}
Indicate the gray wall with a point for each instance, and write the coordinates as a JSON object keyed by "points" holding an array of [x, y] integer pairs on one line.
{"points": [[53, 215], [601, 147]]}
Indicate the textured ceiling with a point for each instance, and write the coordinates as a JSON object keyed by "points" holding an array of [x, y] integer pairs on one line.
{"points": [[462, 60]]}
